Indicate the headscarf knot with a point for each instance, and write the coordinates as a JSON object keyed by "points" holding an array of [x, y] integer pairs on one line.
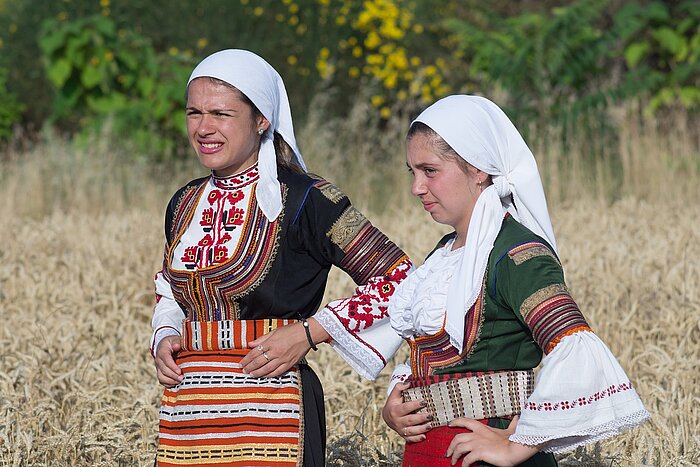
{"points": [[503, 185]]}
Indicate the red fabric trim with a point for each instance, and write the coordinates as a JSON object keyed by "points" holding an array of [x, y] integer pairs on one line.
{"points": [[431, 451]]}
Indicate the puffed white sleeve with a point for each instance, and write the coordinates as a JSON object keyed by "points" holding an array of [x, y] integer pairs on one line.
{"points": [[581, 395]]}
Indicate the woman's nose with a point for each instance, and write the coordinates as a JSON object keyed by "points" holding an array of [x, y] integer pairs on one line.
{"points": [[418, 186], [206, 125]]}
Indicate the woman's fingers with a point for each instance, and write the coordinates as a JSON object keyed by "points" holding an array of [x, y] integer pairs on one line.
{"points": [[257, 348]]}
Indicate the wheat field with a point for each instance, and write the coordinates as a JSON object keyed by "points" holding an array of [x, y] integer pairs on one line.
{"points": [[82, 236]]}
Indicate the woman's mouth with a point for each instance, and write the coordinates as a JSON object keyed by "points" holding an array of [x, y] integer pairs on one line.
{"points": [[210, 148]]}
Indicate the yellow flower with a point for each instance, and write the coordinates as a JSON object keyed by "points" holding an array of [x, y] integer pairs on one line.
{"points": [[386, 48], [293, 20], [398, 60], [324, 2], [363, 19], [13, 28], [418, 28], [94, 61], [376, 100], [352, 40], [244, 2], [109, 56], [324, 52], [354, 72], [301, 29], [105, 12], [286, 2], [389, 29], [357, 51], [430, 70], [202, 42], [340, 20], [375, 59], [372, 40], [62, 16], [293, 8], [279, 17], [402, 95], [390, 81], [292, 60], [415, 61], [173, 51], [385, 113], [104, 3], [258, 11]]}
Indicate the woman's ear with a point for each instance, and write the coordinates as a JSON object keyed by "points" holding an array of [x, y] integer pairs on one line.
{"points": [[263, 123]]}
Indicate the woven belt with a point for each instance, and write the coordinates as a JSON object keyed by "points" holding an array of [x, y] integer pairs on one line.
{"points": [[489, 395]]}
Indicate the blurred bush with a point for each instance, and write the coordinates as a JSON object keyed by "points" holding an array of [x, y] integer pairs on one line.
{"points": [[555, 62], [104, 75], [11, 108]]}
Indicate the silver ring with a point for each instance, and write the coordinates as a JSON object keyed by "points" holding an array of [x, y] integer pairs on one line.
{"points": [[266, 357], [260, 347]]}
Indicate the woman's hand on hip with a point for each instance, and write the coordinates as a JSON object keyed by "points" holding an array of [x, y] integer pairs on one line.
{"points": [[169, 374], [487, 444], [278, 351], [403, 417]]}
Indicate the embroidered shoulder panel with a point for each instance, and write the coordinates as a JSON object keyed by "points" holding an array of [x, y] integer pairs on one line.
{"points": [[552, 314], [347, 227], [330, 191], [529, 250]]}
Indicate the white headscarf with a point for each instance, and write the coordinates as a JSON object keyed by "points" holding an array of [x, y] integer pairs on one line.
{"points": [[479, 131], [261, 83]]}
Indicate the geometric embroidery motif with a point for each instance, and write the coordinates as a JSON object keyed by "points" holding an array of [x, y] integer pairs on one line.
{"points": [[531, 302], [526, 251], [552, 314], [347, 227], [580, 401], [330, 191]]}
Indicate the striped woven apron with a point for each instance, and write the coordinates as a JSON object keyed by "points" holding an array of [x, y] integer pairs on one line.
{"points": [[220, 416]]}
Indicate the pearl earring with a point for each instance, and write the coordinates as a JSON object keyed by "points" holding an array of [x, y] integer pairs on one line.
{"points": [[261, 131]]}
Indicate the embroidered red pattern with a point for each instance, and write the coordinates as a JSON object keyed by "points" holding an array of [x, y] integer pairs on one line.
{"points": [[579, 402], [222, 217], [359, 311]]}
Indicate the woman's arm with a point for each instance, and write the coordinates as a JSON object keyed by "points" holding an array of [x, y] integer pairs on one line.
{"points": [[336, 233]]}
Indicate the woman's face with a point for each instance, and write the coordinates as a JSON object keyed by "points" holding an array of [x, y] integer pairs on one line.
{"points": [[222, 128], [447, 192]]}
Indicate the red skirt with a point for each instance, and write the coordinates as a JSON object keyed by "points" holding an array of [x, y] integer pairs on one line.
{"points": [[431, 451]]}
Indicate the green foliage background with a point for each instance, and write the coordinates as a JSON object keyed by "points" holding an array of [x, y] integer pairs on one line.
{"points": [[119, 67]]}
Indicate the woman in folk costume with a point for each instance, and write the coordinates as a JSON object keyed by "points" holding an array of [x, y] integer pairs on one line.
{"points": [[247, 254], [485, 307]]}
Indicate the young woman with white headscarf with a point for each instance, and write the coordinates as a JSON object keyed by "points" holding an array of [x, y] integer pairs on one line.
{"points": [[247, 254], [488, 303]]}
